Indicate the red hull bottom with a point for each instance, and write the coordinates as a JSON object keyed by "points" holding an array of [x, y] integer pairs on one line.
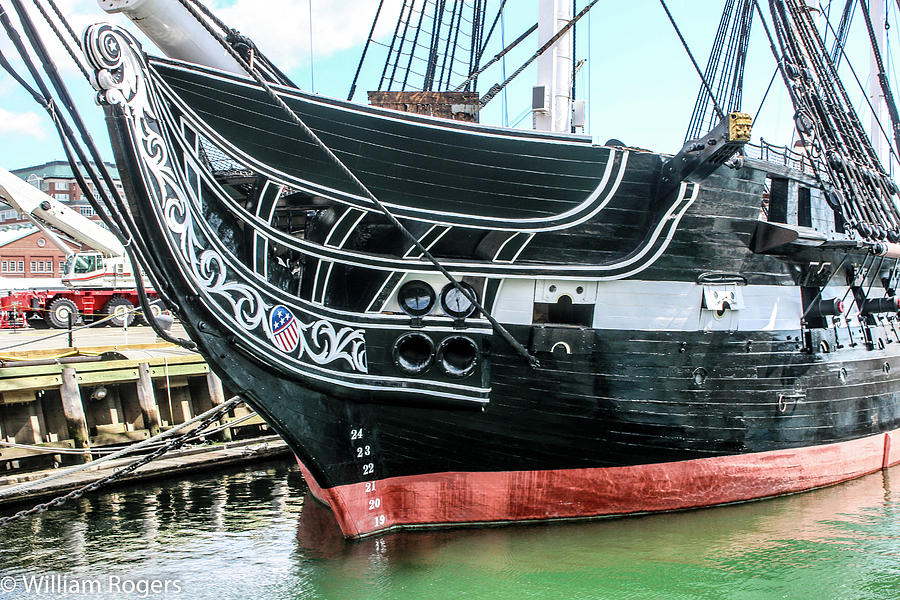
{"points": [[459, 498]]}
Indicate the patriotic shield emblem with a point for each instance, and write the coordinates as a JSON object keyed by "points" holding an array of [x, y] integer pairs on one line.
{"points": [[285, 329]]}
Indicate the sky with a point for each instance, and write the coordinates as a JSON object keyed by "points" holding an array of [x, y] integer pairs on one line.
{"points": [[638, 81]]}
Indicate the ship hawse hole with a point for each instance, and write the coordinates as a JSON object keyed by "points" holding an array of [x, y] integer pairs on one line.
{"points": [[563, 312], [413, 353], [458, 356]]}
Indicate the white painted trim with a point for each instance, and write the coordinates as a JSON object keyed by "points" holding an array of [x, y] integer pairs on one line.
{"points": [[413, 213]]}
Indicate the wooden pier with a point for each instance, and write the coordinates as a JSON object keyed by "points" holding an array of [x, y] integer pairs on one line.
{"points": [[176, 463], [92, 397]]}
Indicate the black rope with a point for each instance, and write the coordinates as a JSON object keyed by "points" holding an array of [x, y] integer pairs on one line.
{"points": [[411, 5], [547, 45], [309, 133], [873, 196], [818, 95], [68, 139], [696, 126], [840, 36], [498, 56], [766, 95], [687, 49], [62, 39], [435, 44], [868, 100], [450, 47], [362, 59], [882, 76], [412, 52]]}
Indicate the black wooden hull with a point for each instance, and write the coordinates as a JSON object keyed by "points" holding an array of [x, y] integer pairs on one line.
{"points": [[682, 370]]}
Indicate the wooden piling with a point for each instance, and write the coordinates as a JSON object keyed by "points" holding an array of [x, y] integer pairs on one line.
{"points": [[217, 398], [147, 399], [73, 409]]}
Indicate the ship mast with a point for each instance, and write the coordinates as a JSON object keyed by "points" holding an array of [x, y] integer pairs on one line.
{"points": [[876, 94], [552, 99]]}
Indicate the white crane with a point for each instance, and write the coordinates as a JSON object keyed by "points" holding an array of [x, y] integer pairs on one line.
{"points": [[103, 266]]}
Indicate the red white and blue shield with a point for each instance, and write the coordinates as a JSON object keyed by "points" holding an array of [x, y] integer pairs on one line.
{"points": [[285, 329]]}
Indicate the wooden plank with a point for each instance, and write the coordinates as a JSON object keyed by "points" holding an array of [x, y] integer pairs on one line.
{"points": [[123, 375], [99, 365], [192, 369], [30, 383], [51, 352], [170, 382], [104, 438], [17, 397], [16, 453]]}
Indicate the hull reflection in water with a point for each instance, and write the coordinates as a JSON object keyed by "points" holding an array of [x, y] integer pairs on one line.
{"points": [[255, 534]]}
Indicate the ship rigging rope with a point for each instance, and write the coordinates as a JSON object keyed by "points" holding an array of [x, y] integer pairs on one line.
{"points": [[497, 57], [725, 66], [826, 121], [66, 43], [204, 421], [517, 346], [840, 36], [362, 58], [496, 89], [882, 75], [114, 215], [868, 101], [74, 329], [862, 152], [690, 54]]}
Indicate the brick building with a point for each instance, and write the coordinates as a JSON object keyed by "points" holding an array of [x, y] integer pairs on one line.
{"points": [[56, 179], [24, 250]]}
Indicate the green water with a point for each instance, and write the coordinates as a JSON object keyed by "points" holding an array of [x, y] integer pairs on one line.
{"points": [[250, 534]]}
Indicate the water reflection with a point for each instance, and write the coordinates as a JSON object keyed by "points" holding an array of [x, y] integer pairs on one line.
{"points": [[252, 534]]}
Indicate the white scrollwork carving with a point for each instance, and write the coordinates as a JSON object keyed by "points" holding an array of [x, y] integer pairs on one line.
{"points": [[326, 344], [117, 75], [121, 79]]}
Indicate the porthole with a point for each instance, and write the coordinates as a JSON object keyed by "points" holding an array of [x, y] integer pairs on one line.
{"points": [[416, 298], [723, 310], [457, 304], [413, 353], [886, 367], [842, 375]]}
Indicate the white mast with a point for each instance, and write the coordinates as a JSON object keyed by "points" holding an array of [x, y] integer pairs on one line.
{"points": [[876, 95], [552, 102]]}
